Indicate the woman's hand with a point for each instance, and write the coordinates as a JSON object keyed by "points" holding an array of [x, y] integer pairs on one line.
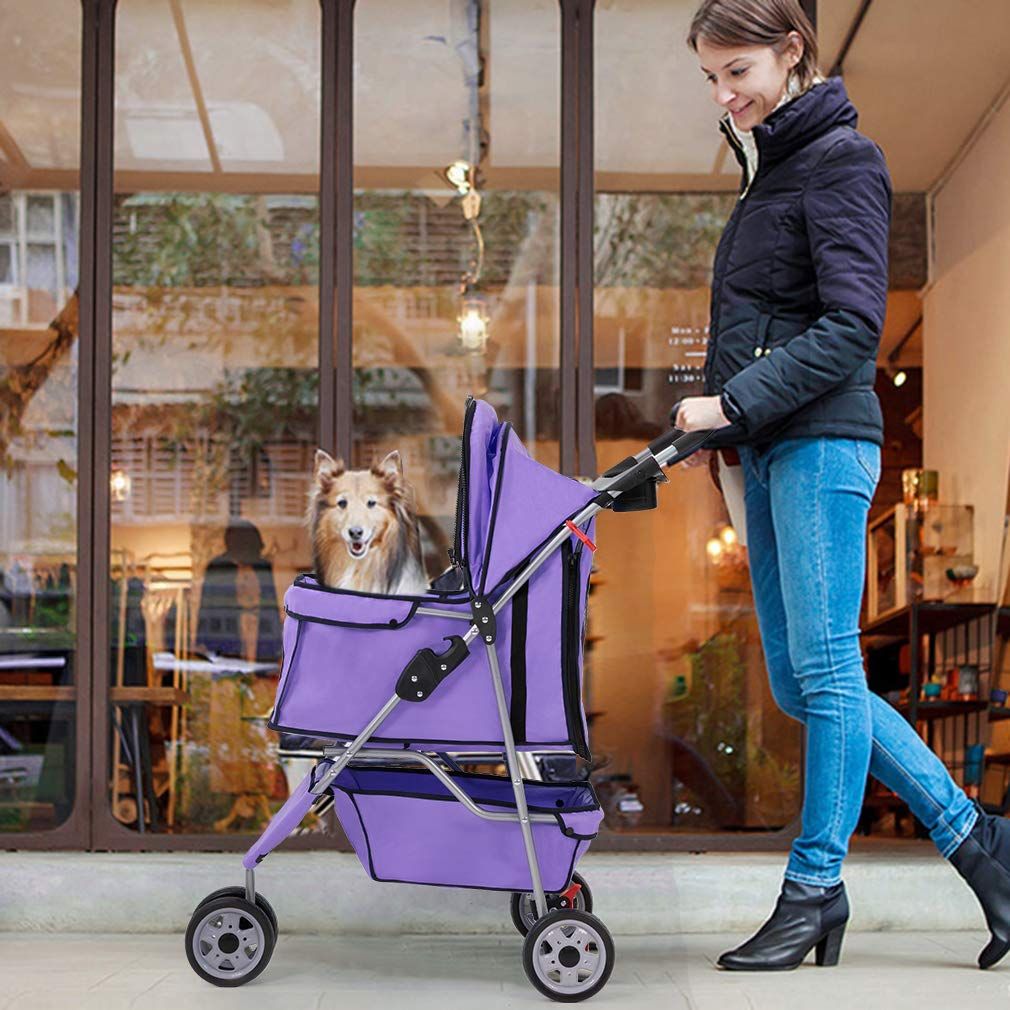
{"points": [[700, 413]]}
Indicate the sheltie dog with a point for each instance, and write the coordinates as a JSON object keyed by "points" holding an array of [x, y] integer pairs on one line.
{"points": [[365, 533]]}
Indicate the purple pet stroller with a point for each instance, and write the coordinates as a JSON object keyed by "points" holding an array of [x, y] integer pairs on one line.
{"points": [[393, 682]]}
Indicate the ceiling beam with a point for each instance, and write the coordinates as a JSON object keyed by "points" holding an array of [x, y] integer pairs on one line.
{"points": [[11, 149], [194, 83], [892, 357], [857, 21]]}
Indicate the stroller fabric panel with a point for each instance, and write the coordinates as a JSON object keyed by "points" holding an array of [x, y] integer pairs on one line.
{"points": [[473, 506], [530, 501], [552, 645], [406, 826], [336, 674], [309, 600]]}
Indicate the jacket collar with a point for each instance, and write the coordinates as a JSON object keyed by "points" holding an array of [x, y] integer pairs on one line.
{"points": [[795, 123]]}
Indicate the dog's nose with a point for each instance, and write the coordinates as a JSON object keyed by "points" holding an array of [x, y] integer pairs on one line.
{"points": [[356, 532]]}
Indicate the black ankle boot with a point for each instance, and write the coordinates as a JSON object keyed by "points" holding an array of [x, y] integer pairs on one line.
{"points": [[805, 917], [983, 859]]}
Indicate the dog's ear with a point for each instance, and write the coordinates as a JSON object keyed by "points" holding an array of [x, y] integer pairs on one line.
{"points": [[326, 469], [389, 468]]}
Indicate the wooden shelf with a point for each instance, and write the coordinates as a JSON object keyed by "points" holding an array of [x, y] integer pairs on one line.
{"points": [[147, 696], [933, 617], [117, 695], [37, 692], [997, 713], [927, 710]]}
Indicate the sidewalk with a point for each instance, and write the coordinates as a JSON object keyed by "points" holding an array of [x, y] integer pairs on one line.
{"points": [[890, 971], [636, 893]]}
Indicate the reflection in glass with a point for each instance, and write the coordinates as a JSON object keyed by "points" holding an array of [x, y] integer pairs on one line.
{"points": [[39, 119], [456, 234], [214, 400], [684, 724]]}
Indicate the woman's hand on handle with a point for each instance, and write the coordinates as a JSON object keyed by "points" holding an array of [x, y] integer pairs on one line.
{"points": [[700, 413]]}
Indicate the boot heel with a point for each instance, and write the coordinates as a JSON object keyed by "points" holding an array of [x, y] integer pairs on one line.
{"points": [[830, 948]]}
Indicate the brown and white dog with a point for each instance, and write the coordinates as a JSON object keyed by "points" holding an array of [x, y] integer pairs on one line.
{"points": [[365, 534]]}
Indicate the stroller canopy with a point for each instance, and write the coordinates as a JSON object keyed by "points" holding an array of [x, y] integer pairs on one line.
{"points": [[508, 504]]}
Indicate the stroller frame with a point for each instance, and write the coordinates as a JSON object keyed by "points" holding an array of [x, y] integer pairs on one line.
{"points": [[631, 474], [635, 479]]}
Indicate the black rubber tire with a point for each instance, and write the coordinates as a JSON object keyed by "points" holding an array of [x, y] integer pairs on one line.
{"points": [[239, 892], [584, 903], [246, 909], [533, 940]]}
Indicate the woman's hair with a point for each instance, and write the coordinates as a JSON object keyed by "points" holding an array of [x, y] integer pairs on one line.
{"points": [[757, 23]]}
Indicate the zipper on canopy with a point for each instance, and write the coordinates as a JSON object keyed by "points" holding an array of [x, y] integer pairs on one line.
{"points": [[571, 646], [462, 489]]}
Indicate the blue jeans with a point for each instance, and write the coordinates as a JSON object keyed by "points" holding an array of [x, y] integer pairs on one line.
{"points": [[807, 502]]}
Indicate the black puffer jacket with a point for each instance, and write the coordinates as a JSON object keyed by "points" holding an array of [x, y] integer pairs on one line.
{"points": [[799, 285]]}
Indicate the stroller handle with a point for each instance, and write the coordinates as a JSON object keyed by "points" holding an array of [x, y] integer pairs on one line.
{"points": [[647, 465], [677, 445]]}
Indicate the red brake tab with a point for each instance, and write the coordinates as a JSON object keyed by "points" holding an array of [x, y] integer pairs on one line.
{"points": [[580, 534]]}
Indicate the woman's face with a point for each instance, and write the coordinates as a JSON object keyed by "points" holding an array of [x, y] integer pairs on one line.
{"points": [[748, 81]]}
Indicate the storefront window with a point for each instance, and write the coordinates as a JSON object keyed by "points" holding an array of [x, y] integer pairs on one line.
{"points": [[39, 119], [456, 240], [684, 724], [214, 393]]}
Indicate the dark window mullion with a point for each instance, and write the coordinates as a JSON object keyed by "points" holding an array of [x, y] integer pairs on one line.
{"points": [[95, 391], [569, 230], [336, 212], [586, 408]]}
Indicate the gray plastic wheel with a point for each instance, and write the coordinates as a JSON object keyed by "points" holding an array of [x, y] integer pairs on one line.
{"points": [[229, 941], [521, 906], [568, 955], [239, 892]]}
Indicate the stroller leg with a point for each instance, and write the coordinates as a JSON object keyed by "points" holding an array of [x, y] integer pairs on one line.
{"points": [[314, 785], [286, 819], [515, 774]]}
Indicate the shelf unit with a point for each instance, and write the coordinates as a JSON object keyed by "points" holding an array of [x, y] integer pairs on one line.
{"points": [[909, 624], [949, 625], [1000, 713]]}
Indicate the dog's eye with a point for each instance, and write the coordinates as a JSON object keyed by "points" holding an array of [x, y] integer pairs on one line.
{"points": [[342, 503], [372, 503]]}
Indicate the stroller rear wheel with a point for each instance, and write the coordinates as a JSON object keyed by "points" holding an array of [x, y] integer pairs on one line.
{"points": [[568, 955], [521, 905], [229, 941], [239, 892]]}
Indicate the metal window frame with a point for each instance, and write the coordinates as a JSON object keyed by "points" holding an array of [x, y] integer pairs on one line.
{"points": [[91, 824], [336, 223]]}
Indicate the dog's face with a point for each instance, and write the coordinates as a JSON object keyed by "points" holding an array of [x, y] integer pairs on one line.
{"points": [[355, 506]]}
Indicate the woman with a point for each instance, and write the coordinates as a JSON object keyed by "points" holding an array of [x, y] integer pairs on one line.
{"points": [[798, 298]]}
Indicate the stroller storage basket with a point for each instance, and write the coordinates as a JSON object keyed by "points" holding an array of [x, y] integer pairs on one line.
{"points": [[406, 826]]}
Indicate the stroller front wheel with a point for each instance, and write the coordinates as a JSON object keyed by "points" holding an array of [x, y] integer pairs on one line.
{"points": [[521, 906], [239, 892], [568, 955], [229, 941]]}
